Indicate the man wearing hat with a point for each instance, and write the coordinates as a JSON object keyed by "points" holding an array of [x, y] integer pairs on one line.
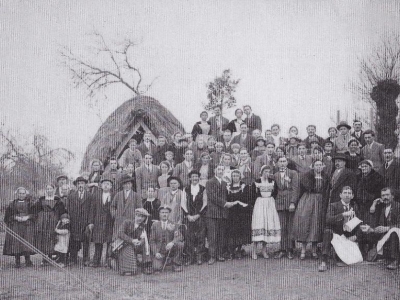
{"points": [[194, 209], [373, 150], [135, 240], [101, 219], [79, 207], [343, 138], [341, 177], [61, 180], [166, 241], [124, 203]]}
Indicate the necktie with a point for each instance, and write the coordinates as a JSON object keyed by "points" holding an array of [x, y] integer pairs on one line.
{"points": [[81, 195], [386, 165]]}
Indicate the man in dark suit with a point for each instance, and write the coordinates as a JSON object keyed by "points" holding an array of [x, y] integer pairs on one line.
{"points": [[339, 213], [166, 241], [79, 205], [311, 131], [341, 177], [388, 217], [147, 145], [226, 140], [217, 214], [244, 139], [287, 182], [358, 134], [102, 220], [373, 151], [390, 171], [252, 121], [218, 123]]}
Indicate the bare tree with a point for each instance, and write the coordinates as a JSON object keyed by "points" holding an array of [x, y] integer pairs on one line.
{"points": [[378, 84], [114, 65]]}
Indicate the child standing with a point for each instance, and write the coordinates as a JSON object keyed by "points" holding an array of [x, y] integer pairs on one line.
{"points": [[63, 234]]}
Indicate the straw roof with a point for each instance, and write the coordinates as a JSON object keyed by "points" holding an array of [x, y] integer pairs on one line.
{"points": [[119, 127]]}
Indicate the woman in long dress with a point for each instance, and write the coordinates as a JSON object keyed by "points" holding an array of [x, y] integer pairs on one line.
{"points": [[49, 210], [19, 218], [265, 225], [308, 221], [135, 241], [239, 221], [353, 156], [202, 128]]}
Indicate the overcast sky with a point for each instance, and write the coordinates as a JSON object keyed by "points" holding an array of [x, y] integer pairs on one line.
{"points": [[294, 58]]}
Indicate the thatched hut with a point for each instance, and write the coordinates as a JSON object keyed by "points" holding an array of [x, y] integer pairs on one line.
{"points": [[130, 120]]}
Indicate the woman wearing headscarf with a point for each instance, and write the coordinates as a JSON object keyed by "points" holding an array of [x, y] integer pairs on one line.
{"points": [[265, 225], [201, 128], [133, 241], [49, 209], [239, 220], [19, 217], [308, 221]]}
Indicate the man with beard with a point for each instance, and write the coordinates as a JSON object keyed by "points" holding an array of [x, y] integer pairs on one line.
{"points": [[194, 208], [79, 205]]}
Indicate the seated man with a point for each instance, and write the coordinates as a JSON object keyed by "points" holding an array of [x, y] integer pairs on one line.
{"points": [[339, 213], [132, 241], [387, 217], [166, 242]]}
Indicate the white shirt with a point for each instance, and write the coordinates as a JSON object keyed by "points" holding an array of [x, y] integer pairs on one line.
{"points": [[249, 115], [126, 193], [219, 179], [194, 189], [388, 163], [346, 205], [106, 198], [164, 225], [188, 164], [387, 210], [81, 194]]}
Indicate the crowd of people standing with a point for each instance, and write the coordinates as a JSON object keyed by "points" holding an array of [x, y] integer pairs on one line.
{"points": [[207, 194]]}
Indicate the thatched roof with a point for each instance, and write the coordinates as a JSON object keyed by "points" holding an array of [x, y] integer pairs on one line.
{"points": [[114, 134]]}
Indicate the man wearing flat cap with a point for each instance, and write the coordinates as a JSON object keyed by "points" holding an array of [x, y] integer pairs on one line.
{"points": [[124, 203], [341, 177], [166, 241], [79, 206], [343, 138]]}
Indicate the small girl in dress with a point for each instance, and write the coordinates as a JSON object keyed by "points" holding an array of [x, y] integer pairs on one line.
{"points": [[63, 234]]}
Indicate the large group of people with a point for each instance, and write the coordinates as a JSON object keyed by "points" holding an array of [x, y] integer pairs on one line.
{"points": [[206, 195]]}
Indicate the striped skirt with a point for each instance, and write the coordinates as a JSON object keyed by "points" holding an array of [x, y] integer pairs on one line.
{"points": [[127, 260]]}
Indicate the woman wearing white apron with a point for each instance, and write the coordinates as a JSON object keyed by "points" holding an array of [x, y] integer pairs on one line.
{"points": [[265, 225]]}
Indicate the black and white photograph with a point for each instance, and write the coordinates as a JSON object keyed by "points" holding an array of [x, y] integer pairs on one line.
{"points": [[188, 149]]}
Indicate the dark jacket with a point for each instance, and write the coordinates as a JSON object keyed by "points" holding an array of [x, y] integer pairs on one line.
{"points": [[79, 212], [346, 178], [216, 199], [334, 216], [101, 218], [254, 122], [197, 129]]}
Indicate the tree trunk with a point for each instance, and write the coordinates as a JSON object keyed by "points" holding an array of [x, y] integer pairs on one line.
{"points": [[385, 94]]}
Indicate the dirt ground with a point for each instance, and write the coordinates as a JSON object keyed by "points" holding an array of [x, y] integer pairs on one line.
{"points": [[238, 279]]}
